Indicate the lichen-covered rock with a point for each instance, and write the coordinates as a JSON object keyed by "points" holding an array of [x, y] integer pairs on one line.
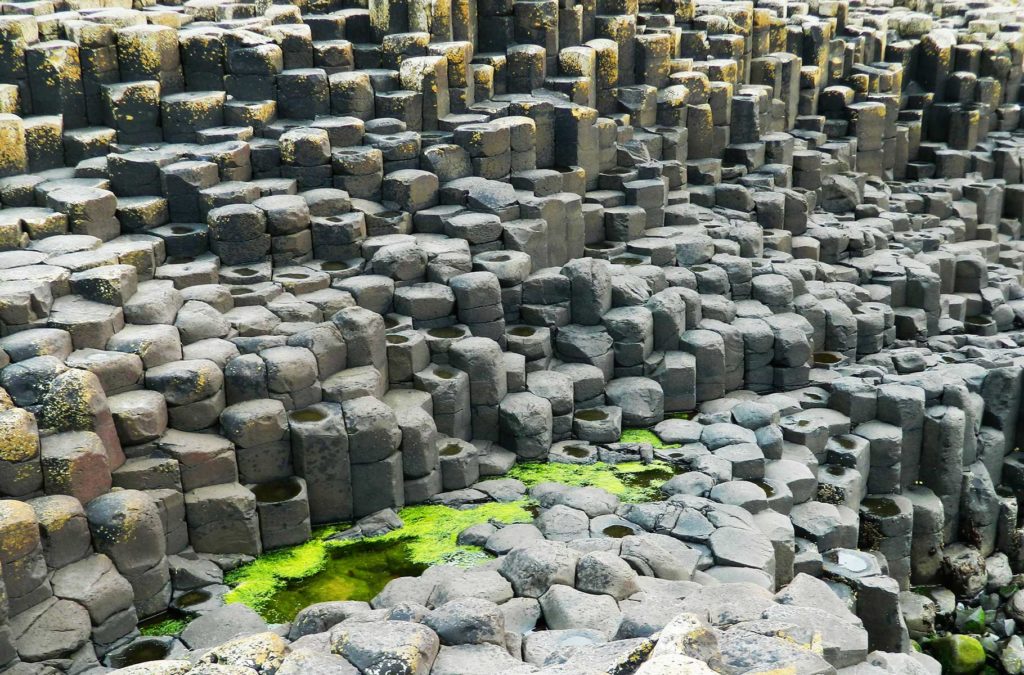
{"points": [[610, 657], [174, 667], [220, 669], [963, 568], [746, 651], [309, 662], [686, 635], [19, 530], [76, 402], [396, 647], [20, 471], [126, 526], [484, 659], [263, 652], [673, 664], [185, 381], [842, 644], [63, 527], [75, 463]]}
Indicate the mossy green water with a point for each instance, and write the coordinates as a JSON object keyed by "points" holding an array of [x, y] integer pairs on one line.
{"points": [[279, 583], [356, 572], [257, 583]]}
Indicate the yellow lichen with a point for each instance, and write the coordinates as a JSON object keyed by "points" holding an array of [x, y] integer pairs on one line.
{"points": [[19, 440]]}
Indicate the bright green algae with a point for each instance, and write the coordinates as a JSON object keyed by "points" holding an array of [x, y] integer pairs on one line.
{"points": [[630, 481], [644, 436], [355, 572], [169, 626], [280, 583]]}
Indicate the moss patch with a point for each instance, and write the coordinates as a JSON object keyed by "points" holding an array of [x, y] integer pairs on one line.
{"points": [[256, 583], [168, 626], [431, 530], [630, 481], [958, 654], [355, 572], [280, 583], [645, 436]]}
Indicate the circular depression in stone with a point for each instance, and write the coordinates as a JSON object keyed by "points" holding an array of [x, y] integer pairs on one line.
{"points": [[308, 415], [275, 491], [143, 651], [446, 333]]}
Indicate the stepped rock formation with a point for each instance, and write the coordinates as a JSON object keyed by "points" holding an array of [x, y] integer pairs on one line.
{"points": [[270, 266]]}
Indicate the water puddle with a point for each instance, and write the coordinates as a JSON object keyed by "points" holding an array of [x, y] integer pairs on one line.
{"points": [[358, 571]]}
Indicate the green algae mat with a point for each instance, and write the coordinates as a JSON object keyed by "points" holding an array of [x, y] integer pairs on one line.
{"points": [[633, 482], [163, 626], [280, 583]]}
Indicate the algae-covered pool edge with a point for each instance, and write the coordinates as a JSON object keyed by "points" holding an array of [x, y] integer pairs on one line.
{"points": [[426, 538], [279, 583]]}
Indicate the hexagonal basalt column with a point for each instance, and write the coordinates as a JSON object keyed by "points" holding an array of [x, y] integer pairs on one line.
{"points": [[126, 526]]}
